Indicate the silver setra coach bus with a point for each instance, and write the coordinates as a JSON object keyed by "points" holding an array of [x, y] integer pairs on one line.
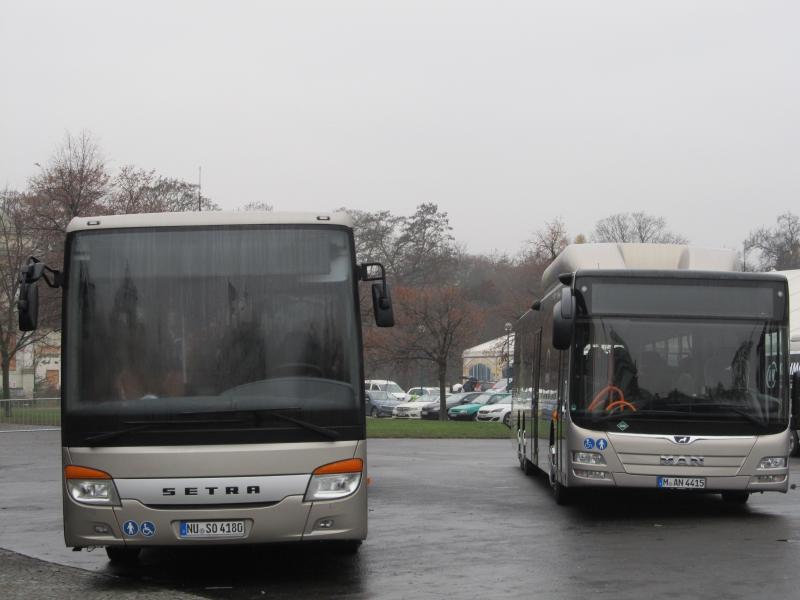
{"points": [[654, 366], [213, 379]]}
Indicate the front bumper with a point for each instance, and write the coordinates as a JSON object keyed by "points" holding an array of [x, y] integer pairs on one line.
{"points": [[290, 520], [461, 416], [489, 417]]}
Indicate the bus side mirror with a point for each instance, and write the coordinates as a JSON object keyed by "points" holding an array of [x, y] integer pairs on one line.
{"points": [[28, 306], [795, 400], [381, 298], [563, 320], [382, 305]]}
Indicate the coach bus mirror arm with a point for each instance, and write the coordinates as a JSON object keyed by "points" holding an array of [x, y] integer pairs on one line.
{"points": [[795, 400], [564, 319]]}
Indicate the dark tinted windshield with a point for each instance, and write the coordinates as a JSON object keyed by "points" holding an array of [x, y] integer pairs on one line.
{"points": [[167, 322], [647, 375]]}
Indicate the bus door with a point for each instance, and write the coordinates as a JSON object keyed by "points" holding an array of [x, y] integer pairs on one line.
{"points": [[537, 367], [563, 384]]}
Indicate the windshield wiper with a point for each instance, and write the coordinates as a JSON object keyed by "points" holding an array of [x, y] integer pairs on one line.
{"points": [[279, 413], [136, 426]]}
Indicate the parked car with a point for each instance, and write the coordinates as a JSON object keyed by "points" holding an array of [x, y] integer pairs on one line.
{"points": [[430, 410], [423, 391], [501, 385], [384, 385], [413, 408], [469, 412], [497, 412], [379, 404]]}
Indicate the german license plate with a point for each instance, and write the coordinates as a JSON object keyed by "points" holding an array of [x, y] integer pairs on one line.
{"points": [[211, 529], [682, 483]]}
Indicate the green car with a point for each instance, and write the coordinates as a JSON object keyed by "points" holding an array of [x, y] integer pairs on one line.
{"points": [[469, 412]]}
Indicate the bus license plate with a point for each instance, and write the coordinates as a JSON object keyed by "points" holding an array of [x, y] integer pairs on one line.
{"points": [[682, 483], [211, 529]]}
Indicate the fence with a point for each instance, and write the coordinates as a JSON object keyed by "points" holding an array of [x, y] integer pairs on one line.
{"points": [[29, 413]]}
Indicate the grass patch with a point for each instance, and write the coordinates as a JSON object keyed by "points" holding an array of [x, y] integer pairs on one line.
{"points": [[419, 428], [30, 415]]}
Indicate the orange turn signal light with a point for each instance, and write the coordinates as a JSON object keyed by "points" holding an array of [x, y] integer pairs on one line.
{"points": [[76, 472], [351, 465]]}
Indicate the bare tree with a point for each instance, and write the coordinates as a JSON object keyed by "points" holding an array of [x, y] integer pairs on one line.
{"points": [[550, 240], [636, 227], [428, 248], [778, 247], [258, 205], [17, 244], [138, 191], [377, 237], [74, 182], [433, 323]]}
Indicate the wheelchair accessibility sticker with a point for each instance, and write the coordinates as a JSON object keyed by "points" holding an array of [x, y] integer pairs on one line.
{"points": [[588, 443]]}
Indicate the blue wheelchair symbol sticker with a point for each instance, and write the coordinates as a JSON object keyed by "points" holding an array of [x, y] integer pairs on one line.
{"points": [[130, 528], [148, 529], [588, 443], [602, 444]]}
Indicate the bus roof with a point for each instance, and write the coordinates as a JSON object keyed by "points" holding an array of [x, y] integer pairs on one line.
{"points": [[613, 256], [211, 217]]}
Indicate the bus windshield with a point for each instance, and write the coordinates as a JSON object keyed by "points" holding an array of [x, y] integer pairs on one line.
{"points": [[650, 375], [216, 322]]}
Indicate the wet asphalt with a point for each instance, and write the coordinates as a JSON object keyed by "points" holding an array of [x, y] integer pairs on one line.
{"points": [[448, 518]]}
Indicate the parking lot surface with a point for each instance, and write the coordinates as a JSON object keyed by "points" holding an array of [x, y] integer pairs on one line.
{"points": [[448, 518]]}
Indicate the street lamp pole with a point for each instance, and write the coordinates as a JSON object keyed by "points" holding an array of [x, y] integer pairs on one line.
{"points": [[508, 327]]}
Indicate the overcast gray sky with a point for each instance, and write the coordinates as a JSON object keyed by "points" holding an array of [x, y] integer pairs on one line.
{"points": [[506, 114]]}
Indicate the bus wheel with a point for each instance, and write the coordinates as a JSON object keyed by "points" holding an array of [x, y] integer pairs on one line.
{"points": [[735, 497], [373, 412], [561, 494], [347, 547], [123, 555], [794, 444]]}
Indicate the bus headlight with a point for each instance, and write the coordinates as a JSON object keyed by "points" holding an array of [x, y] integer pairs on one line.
{"points": [[588, 458], [772, 462], [90, 486], [334, 481]]}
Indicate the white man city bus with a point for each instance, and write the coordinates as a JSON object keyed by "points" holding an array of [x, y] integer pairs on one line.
{"points": [[654, 366], [213, 382]]}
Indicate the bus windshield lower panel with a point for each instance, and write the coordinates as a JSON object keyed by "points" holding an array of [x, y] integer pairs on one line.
{"points": [[672, 376], [211, 335]]}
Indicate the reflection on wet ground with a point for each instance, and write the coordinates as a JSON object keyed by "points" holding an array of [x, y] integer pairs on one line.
{"points": [[458, 519]]}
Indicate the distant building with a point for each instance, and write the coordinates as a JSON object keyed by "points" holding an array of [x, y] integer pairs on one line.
{"points": [[486, 361], [37, 368]]}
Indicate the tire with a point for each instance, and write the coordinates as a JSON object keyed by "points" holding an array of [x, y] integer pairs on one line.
{"points": [[562, 495], [123, 555], [507, 420], [794, 444], [735, 497], [374, 413], [347, 547]]}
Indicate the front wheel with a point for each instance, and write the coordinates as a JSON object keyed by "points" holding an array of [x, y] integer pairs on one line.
{"points": [[794, 444], [507, 420], [373, 412], [347, 547], [122, 554], [735, 497]]}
